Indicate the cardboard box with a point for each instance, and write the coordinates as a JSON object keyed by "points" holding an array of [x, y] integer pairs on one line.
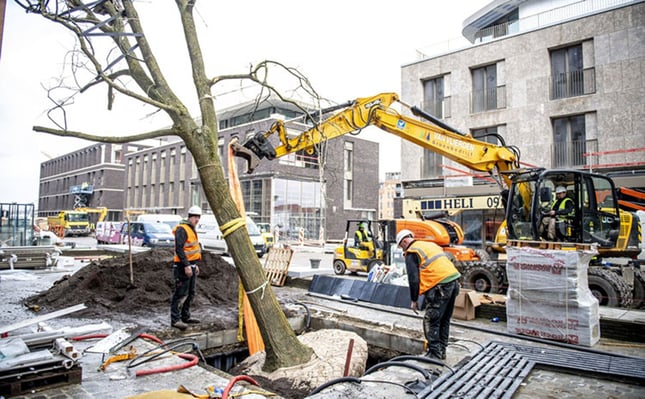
{"points": [[465, 304]]}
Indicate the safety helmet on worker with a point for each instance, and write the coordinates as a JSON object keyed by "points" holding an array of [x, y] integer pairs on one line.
{"points": [[560, 189], [362, 225], [194, 211], [403, 234]]}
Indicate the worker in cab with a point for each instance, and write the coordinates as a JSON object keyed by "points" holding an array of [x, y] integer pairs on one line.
{"points": [[363, 237], [185, 269], [559, 216], [433, 281]]}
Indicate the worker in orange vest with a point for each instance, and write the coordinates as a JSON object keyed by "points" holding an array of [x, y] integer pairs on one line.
{"points": [[432, 278], [185, 269]]}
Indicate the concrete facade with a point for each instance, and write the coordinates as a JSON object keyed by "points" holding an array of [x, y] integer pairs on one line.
{"points": [[609, 44]]}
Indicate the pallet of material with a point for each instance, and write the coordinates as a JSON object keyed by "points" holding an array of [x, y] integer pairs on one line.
{"points": [[276, 265]]}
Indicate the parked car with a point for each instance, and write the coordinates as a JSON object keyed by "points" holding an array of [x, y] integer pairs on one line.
{"points": [[210, 236], [146, 234]]}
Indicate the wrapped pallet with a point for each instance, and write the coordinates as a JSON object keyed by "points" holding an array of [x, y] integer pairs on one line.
{"points": [[548, 295]]}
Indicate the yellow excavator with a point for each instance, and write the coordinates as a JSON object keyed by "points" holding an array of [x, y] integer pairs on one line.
{"points": [[524, 191]]}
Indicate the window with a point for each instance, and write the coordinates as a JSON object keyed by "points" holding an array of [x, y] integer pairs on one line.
{"points": [[487, 134], [433, 97], [484, 95], [348, 175], [569, 141], [567, 74]]}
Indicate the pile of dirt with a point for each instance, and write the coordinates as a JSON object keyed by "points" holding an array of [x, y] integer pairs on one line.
{"points": [[107, 290]]}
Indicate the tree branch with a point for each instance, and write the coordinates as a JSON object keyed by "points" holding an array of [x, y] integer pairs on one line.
{"points": [[107, 139]]}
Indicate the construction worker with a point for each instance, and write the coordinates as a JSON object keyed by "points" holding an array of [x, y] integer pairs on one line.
{"points": [[185, 269], [363, 237], [562, 211], [432, 278]]}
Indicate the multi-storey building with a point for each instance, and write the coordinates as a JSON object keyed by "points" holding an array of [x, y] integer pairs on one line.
{"points": [[560, 80], [389, 189], [300, 192], [89, 177]]}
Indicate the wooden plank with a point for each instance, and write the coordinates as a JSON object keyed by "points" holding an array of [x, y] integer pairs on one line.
{"points": [[276, 265], [48, 316]]}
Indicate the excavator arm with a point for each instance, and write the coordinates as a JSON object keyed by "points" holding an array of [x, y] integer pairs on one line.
{"points": [[353, 116]]}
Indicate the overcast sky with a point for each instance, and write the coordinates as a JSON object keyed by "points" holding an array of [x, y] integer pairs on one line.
{"points": [[347, 49]]}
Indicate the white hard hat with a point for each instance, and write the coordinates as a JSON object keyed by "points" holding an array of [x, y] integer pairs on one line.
{"points": [[195, 210], [402, 234], [560, 189]]}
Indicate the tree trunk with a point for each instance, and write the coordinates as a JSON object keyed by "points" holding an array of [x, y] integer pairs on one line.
{"points": [[283, 349]]}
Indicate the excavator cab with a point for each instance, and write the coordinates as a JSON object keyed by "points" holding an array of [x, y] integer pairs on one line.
{"points": [[595, 218]]}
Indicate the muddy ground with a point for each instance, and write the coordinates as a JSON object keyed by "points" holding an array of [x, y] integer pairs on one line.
{"points": [[113, 294]]}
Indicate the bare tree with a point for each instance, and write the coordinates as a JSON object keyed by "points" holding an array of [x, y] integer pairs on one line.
{"points": [[132, 61]]}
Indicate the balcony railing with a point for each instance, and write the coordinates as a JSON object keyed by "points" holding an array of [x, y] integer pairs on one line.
{"points": [[440, 108], [569, 154], [486, 100], [572, 84]]}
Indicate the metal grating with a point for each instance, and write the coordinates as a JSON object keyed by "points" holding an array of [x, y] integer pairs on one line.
{"points": [[498, 370], [624, 367], [494, 372]]}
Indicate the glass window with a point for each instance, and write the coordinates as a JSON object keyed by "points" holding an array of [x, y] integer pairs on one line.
{"points": [[569, 141], [567, 78], [484, 96], [433, 96]]}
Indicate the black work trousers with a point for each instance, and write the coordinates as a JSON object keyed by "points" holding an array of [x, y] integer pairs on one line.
{"points": [[183, 294], [439, 304]]}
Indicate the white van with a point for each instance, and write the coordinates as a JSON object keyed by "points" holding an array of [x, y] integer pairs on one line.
{"points": [[170, 219], [210, 236]]}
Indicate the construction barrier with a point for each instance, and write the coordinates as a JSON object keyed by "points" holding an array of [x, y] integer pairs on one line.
{"points": [[301, 236]]}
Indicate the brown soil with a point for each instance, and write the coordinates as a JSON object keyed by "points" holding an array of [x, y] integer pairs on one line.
{"points": [[107, 291]]}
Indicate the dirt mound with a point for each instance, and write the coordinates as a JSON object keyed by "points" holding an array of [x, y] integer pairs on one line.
{"points": [[105, 288]]}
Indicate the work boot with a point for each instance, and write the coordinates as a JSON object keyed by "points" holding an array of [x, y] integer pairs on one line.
{"points": [[432, 355], [191, 321], [180, 325]]}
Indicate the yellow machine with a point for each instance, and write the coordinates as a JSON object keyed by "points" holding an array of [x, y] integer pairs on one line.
{"points": [[524, 192], [72, 223], [101, 211]]}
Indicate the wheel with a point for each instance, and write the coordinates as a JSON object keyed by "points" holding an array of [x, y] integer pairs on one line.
{"points": [[373, 264], [339, 267], [609, 288], [485, 277], [639, 290], [483, 255]]}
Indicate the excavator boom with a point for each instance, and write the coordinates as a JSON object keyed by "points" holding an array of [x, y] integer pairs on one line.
{"points": [[376, 111]]}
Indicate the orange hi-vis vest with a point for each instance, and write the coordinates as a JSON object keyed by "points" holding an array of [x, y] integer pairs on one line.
{"points": [[191, 246], [434, 265]]}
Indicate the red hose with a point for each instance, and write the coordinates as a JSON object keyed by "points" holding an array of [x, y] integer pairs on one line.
{"points": [[234, 380], [193, 361], [90, 336]]}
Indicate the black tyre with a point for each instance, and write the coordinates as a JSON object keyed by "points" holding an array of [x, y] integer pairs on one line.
{"points": [[639, 290], [609, 288], [485, 277], [339, 267]]}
